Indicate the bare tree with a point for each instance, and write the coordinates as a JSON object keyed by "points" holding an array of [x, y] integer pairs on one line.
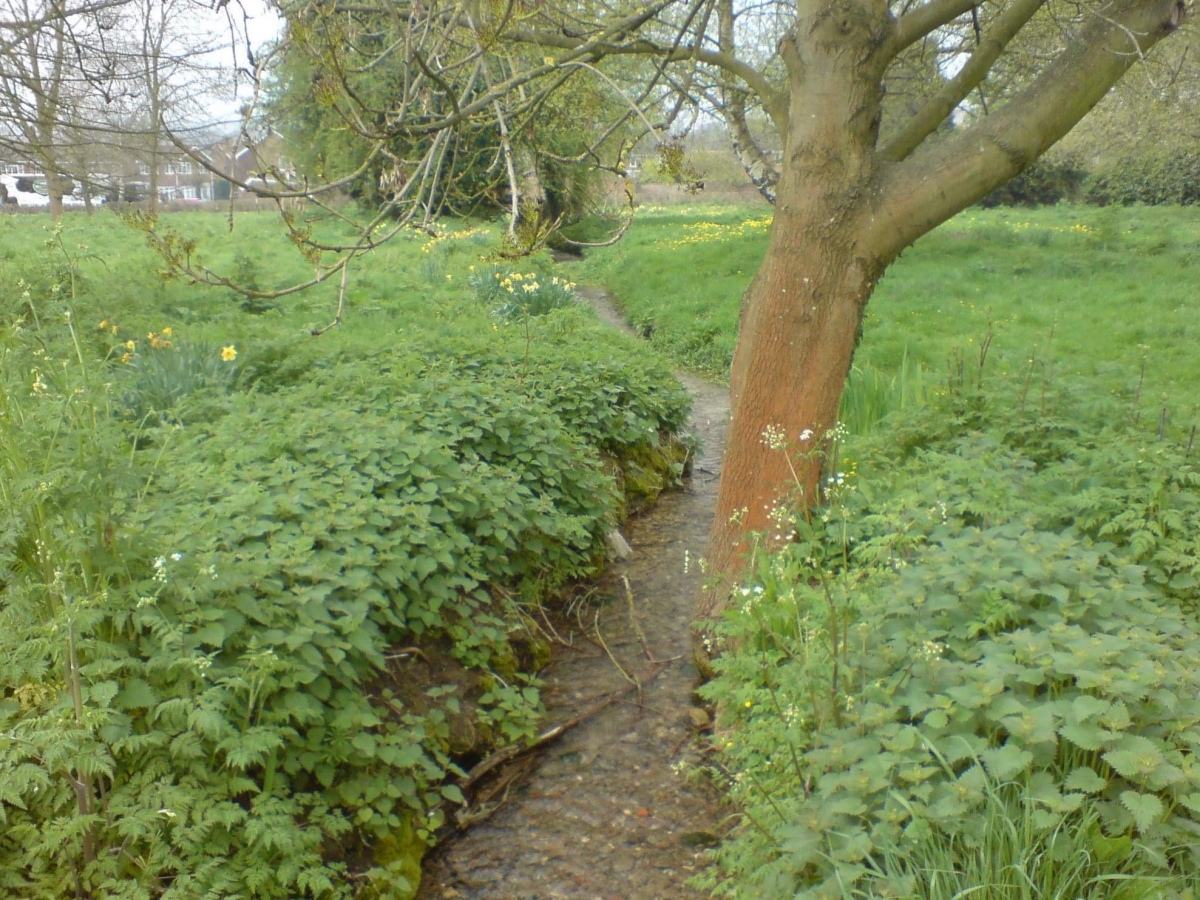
{"points": [[88, 83], [34, 77], [172, 63]]}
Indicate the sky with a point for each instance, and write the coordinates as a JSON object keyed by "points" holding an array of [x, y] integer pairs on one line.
{"points": [[262, 25]]}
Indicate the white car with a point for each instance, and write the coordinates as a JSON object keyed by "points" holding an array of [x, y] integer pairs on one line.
{"points": [[29, 190]]}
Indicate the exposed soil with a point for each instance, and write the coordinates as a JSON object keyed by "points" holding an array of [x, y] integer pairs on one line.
{"points": [[604, 811]]}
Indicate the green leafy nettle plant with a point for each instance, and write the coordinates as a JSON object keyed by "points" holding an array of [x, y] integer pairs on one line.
{"points": [[245, 635], [1000, 602]]}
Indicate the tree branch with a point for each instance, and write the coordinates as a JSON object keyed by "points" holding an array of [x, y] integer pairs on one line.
{"points": [[923, 20], [924, 123], [758, 167], [774, 101], [929, 188]]}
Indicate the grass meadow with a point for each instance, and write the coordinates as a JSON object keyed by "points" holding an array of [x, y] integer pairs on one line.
{"points": [[1097, 296]]}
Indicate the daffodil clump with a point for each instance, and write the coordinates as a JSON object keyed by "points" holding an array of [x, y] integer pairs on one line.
{"points": [[519, 294], [163, 370]]}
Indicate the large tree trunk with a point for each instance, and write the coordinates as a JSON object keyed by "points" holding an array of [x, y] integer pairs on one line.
{"points": [[845, 208], [801, 314]]}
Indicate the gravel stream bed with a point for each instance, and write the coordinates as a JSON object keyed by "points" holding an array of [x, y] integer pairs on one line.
{"points": [[604, 812]]}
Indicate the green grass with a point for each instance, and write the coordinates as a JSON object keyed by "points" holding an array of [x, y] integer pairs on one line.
{"points": [[409, 290], [1077, 292], [1018, 859]]}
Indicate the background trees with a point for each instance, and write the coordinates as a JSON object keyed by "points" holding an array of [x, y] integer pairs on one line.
{"points": [[86, 85]]}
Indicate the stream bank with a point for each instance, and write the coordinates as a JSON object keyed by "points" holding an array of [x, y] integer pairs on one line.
{"points": [[606, 811]]}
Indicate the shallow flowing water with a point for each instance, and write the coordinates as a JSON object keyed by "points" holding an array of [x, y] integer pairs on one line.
{"points": [[605, 811]]}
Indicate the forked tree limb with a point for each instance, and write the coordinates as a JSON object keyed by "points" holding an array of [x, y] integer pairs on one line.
{"points": [[1004, 28], [932, 185]]}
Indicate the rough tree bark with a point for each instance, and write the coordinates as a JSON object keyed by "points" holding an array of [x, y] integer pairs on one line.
{"points": [[845, 209]]}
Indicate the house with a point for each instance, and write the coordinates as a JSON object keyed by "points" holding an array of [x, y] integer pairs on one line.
{"points": [[242, 162], [115, 173]]}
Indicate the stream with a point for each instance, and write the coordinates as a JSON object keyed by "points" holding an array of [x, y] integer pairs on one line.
{"points": [[606, 811]]}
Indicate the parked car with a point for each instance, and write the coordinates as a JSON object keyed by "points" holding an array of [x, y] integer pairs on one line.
{"points": [[29, 190]]}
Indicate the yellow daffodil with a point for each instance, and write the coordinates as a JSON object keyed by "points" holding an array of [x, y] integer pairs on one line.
{"points": [[229, 354]]}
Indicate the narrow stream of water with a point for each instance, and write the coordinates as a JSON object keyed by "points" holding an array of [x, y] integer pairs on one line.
{"points": [[605, 812]]}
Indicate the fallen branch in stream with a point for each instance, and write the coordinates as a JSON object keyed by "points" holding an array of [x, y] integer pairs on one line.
{"points": [[468, 817]]}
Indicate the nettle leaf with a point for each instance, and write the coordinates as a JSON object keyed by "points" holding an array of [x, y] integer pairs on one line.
{"points": [[102, 693], [1146, 809], [1127, 764], [1004, 762], [1085, 735], [1191, 801], [1088, 707], [1083, 778], [1116, 716], [136, 694]]}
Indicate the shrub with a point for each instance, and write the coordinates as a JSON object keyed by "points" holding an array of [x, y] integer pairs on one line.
{"points": [[229, 614], [992, 605], [1044, 183], [517, 295], [200, 625], [1151, 178], [611, 397]]}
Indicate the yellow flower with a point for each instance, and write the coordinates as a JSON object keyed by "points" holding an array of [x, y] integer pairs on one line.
{"points": [[126, 357], [131, 345], [168, 331], [103, 326], [229, 354]]}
